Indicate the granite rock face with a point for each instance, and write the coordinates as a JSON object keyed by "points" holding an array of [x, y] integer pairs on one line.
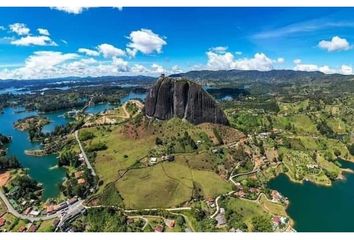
{"points": [[184, 99]]}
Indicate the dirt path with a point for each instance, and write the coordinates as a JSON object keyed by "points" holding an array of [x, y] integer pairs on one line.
{"points": [[4, 178]]}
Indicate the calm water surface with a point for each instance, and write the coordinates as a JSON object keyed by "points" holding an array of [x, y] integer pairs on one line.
{"points": [[316, 208]]}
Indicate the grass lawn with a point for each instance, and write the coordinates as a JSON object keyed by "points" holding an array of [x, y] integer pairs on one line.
{"points": [[3, 208], [46, 226], [153, 187], [121, 152], [303, 124], [246, 209], [271, 207], [168, 184]]}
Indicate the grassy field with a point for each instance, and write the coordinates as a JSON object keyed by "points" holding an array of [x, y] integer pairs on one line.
{"points": [[168, 184], [46, 226], [121, 152], [3, 208], [271, 207], [246, 209]]}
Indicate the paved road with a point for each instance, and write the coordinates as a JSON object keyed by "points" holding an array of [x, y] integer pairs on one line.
{"points": [[155, 209], [70, 212], [11, 210], [88, 164]]}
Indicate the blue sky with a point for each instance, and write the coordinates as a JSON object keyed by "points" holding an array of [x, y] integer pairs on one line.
{"points": [[46, 43]]}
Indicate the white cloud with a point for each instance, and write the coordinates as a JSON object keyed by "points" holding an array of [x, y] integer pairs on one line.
{"points": [[19, 28], [297, 61], [226, 60], [335, 44], [71, 9], [88, 52], [34, 41], [43, 31], [157, 68], [176, 69], [280, 60], [48, 59], [220, 49], [110, 51], [326, 69], [238, 53], [2, 28], [344, 69], [120, 64], [146, 41]]}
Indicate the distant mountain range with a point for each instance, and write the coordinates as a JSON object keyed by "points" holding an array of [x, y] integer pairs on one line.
{"points": [[256, 76], [76, 81], [202, 76]]}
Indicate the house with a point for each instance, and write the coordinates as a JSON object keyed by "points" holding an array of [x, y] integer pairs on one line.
{"points": [[22, 229], [276, 221], [34, 213], [50, 209], [27, 211], [240, 194], [2, 222], [220, 218], [170, 223], [81, 157], [169, 158], [210, 202], [72, 200], [32, 228], [158, 228], [153, 160], [78, 174], [276, 196], [81, 181]]}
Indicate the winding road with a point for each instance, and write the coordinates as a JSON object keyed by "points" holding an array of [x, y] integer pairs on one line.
{"points": [[13, 211]]}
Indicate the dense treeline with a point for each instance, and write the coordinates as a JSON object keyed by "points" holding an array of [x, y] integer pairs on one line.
{"points": [[27, 188], [9, 163]]}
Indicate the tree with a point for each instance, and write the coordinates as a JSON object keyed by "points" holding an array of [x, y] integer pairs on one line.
{"points": [[158, 141], [9, 163], [262, 224], [180, 220]]}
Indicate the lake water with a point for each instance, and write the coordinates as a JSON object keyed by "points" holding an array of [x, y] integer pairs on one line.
{"points": [[43, 168], [317, 208], [100, 107]]}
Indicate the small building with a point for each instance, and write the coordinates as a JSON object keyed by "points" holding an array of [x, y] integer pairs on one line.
{"points": [[276, 196], [72, 200], [81, 181], [2, 222], [170, 223], [276, 221], [22, 229], [50, 209], [27, 211], [169, 158], [32, 228], [78, 174], [158, 228], [153, 160], [34, 213], [240, 194]]}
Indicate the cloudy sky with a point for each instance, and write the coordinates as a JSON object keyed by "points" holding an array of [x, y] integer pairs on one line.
{"points": [[49, 43]]}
